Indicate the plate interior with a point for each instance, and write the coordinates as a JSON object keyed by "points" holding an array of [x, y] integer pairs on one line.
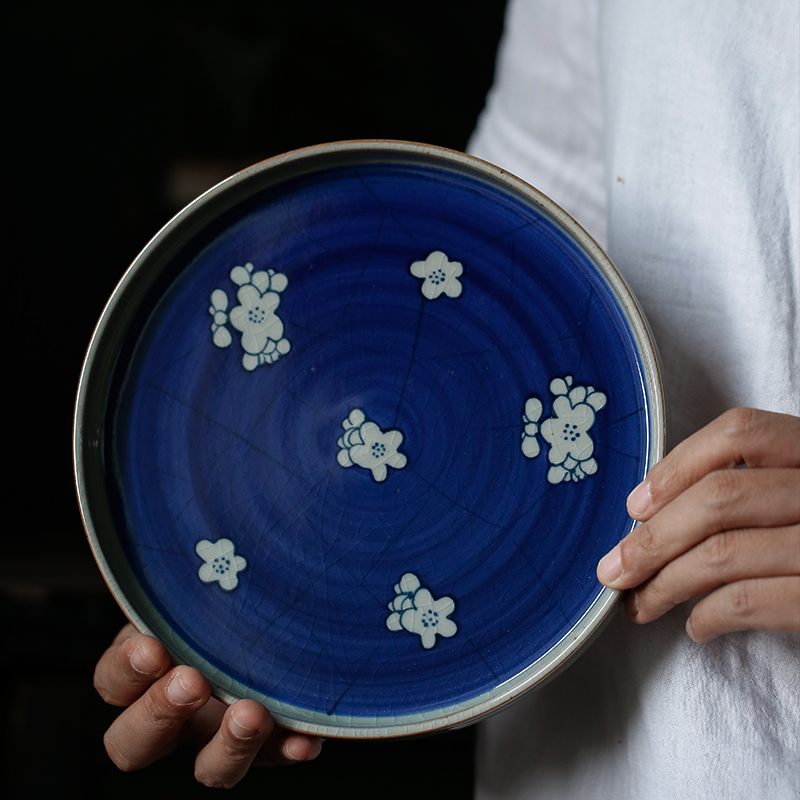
{"points": [[374, 484]]}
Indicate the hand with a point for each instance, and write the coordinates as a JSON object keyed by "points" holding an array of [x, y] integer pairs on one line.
{"points": [[707, 526], [167, 706]]}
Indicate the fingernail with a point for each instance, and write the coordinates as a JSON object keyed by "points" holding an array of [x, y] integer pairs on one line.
{"points": [[610, 566], [178, 693], [632, 604], [694, 637], [639, 499], [239, 729], [141, 663], [296, 749]]}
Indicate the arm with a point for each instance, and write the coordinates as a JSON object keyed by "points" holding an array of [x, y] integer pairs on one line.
{"points": [[708, 527], [166, 706]]}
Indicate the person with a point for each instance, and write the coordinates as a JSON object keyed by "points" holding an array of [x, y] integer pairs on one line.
{"points": [[672, 132]]}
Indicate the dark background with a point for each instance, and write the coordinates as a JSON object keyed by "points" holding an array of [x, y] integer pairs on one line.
{"points": [[118, 116]]}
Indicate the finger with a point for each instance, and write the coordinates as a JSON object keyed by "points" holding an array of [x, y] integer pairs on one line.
{"points": [[129, 667], [762, 603], [287, 747], [225, 760], [742, 436], [283, 747], [722, 558], [722, 501], [150, 728]]}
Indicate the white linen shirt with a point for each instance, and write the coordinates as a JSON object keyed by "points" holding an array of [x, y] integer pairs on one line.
{"points": [[671, 132]]}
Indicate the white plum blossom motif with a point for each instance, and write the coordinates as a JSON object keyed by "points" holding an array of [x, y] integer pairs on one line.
{"points": [[567, 433], [263, 341], [366, 445], [219, 305], [530, 419], [414, 609], [439, 275], [221, 563]]}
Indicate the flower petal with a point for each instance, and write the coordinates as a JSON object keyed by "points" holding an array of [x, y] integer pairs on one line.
{"points": [[238, 318], [222, 337], [452, 287], [393, 622], [356, 417], [423, 599], [557, 474], [430, 290], [226, 547], [248, 295], [370, 433], [530, 447], [428, 637], [409, 583], [562, 408], [596, 400], [379, 472], [589, 466], [549, 432], [261, 281], [240, 275], [229, 582], [219, 300], [207, 550], [583, 448], [254, 342], [444, 606], [273, 327], [397, 460], [577, 395], [436, 260], [408, 619], [278, 282], [533, 409]]}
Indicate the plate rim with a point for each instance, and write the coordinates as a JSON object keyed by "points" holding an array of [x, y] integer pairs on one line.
{"points": [[87, 448]]}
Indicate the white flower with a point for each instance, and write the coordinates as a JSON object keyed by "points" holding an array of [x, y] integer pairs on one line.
{"points": [[414, 609], [220, 563], [366, 445], [262, 330], [255, 317], [219, 305], [571, 446], [439, 275], [264, 281], [533, 410]]}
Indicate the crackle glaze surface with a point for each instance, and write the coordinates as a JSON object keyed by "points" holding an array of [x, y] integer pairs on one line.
{"points": [[373, 431]]}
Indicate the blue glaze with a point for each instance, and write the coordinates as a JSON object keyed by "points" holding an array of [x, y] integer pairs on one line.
{"points": [[203, 449]]}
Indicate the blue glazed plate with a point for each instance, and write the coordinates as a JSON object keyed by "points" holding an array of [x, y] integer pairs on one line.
{"points": [[354, 430]]}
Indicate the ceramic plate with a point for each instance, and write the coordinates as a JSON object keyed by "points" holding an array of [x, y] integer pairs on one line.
{"points": [[354, 430]]}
